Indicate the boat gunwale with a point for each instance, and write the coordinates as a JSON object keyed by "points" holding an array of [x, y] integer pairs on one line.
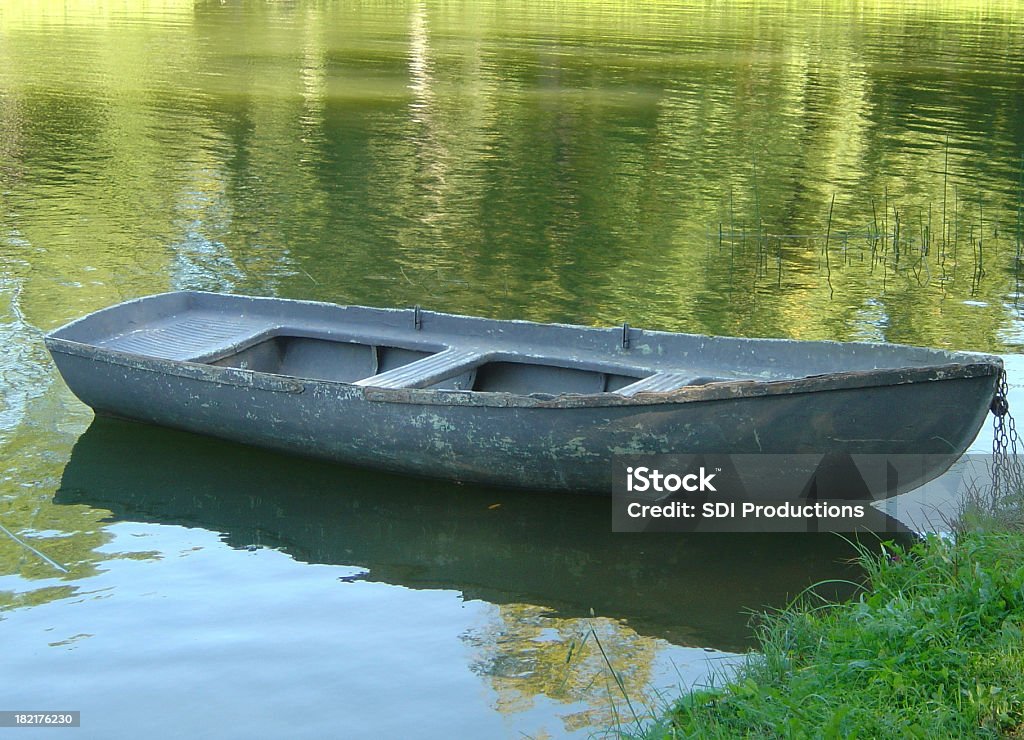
{"points": [[981, 365], [272, 330], [960, 364]]}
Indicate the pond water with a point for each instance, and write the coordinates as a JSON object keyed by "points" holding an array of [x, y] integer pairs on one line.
{"points": [[852, 170]]}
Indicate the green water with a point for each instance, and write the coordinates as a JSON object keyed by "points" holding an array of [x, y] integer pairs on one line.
{"points": [[845, 170]]}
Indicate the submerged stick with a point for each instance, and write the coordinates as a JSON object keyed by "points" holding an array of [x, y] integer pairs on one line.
{"points": [[885, 222], [33, 550], [1020, 207], [828, 232], [945, 176]]}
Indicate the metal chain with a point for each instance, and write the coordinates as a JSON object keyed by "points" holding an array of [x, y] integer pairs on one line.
{"points": [[1007, 471]]}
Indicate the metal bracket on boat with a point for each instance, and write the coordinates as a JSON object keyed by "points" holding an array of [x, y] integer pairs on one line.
{"points": [[417, 320], [625, 335]]}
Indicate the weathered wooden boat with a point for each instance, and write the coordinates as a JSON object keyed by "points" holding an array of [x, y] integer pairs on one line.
{"points": [[509, 403]]}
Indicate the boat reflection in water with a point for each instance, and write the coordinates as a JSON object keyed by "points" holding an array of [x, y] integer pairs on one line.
{"points": [[505, 547]]}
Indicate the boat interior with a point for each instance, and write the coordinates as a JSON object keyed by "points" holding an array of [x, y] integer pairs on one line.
{"points": [[371, 357], [383, 366], [407, 348]]}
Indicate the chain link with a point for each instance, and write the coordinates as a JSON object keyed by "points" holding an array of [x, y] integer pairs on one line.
{"points": [[1007, 471]]}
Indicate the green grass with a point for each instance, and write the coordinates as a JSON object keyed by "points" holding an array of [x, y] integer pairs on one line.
{"points": [[932, 647]]}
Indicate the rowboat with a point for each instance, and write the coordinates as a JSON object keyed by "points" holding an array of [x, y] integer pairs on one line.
{"points": [[510, 403]]}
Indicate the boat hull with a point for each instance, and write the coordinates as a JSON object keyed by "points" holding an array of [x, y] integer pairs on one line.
{"points": [[545, 444]]}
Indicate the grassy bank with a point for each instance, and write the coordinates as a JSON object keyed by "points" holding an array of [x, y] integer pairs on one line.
{"points": [[932, 647]]}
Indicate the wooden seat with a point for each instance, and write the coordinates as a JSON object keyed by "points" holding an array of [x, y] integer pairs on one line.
{"points": [[188, 337], [425, 372], [663, 383]]}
